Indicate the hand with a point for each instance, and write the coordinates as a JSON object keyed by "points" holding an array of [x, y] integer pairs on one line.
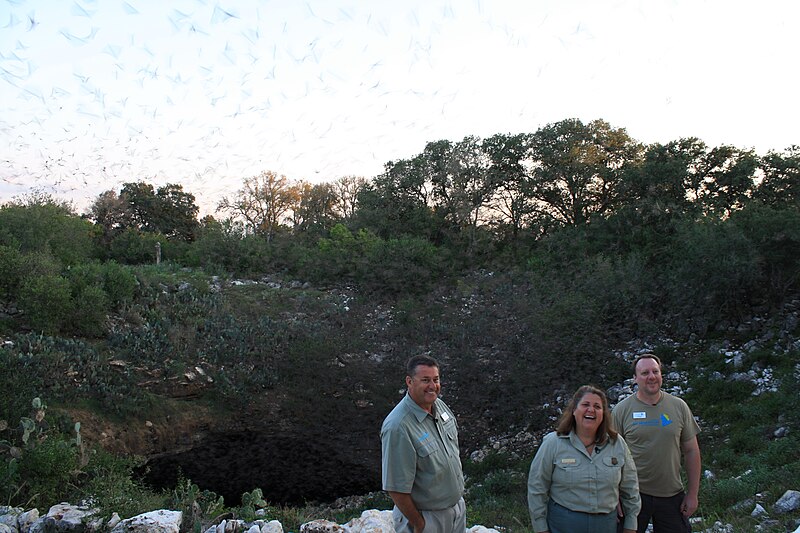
{"points": [[421, 528], [689, 505]]}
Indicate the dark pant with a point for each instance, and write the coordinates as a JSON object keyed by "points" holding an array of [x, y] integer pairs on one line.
{"points": [[665, 513]]}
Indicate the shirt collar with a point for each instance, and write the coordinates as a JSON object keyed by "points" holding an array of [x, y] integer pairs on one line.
{"points": [[419, 413]]}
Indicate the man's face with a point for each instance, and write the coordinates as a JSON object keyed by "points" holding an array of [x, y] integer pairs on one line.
{"points": [[648, 376], [423, 386]]}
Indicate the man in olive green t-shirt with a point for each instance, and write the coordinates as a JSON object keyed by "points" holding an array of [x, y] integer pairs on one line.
{"points": [[421, 467], [659, 428]]}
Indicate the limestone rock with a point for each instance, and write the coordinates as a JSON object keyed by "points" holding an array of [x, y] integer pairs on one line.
{"points": [[372, 521], [64, 517], [321, 526], [26, 520], [790, 501], [161, 521], [9, 518], [113, 521], [273, 526], [758, 511]]}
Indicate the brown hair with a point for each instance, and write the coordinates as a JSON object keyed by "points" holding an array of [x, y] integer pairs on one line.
{"points": [[567, 421], [652, 356], [419, 360]]}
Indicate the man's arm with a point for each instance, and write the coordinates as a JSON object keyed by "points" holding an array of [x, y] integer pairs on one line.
{"points": [[409, 509], [691, 461]]}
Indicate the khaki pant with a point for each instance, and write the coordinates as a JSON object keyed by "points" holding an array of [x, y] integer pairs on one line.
{"points": [[452, 520]]}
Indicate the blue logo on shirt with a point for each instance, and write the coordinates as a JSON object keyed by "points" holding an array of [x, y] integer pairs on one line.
{"points": [[424, 436], [665, 421]]}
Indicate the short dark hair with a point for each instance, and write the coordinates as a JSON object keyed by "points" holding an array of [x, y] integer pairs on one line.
{"points": [[652, 356], [567, 422], [419, 360]]}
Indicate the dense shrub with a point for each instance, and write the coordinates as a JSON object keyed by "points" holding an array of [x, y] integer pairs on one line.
{"points": [[111, 482], [119, 283], [392, 266], [47, 470], [47, 227], [404, 265], [773, 234], [46, 301], [713, 273], [224, 248], [10, 271], [90, 307], [133, 247], [41, 263]]}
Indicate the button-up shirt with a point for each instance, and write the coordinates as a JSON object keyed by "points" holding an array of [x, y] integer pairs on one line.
{"points": [[563, 471], [420, 456]]}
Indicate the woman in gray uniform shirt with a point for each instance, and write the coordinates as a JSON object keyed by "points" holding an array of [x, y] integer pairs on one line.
{"points": [[582, 470]]}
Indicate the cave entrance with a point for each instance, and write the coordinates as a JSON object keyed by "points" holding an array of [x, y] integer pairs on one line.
{"points": [[288, 470]]}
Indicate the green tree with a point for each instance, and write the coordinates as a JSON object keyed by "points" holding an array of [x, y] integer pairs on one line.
{"points": [[398, 202], [510, 159], [142, 204], [780, 186], [112, 214], [657, 194], [177, 213], [461, 185], [729, 179], [315, 213], [577, 169], [169, 210]]}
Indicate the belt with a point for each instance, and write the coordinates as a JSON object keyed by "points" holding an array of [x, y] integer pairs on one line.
{"points": [[581, 512]]}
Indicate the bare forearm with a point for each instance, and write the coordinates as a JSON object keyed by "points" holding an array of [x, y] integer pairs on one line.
{"points": [[409, 509], [691, 461], [692, 464]]}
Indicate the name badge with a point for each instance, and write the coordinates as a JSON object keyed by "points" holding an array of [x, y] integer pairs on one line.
{"points": [[445, 417], [569, 461], [639, 414]]}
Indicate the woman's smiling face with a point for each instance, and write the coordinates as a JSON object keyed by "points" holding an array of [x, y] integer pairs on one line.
{"points": [[589, 412]]}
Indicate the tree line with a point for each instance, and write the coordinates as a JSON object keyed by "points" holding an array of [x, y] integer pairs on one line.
{"points": [[501, 189], [560, 201]]}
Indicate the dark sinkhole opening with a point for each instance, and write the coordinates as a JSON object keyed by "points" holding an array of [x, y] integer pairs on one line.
{"points": [[289, 471]]}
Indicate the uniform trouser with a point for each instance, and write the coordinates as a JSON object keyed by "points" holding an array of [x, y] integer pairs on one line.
{"points": [[665, 513], [562, 520], [451, 520]]}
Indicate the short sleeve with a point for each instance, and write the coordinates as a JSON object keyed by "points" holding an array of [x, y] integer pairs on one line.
{"points": [[398, 460]]}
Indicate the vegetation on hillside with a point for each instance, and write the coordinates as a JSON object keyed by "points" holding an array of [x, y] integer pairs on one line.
{"points": [[523, 261]]}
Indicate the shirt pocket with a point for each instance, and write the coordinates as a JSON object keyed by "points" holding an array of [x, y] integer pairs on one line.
{"points": [[566, 469], [427, 448], [614, 462], [613, 466]]}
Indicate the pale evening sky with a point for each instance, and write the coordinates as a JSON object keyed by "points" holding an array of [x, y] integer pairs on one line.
{"points": [[205, 93]]}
